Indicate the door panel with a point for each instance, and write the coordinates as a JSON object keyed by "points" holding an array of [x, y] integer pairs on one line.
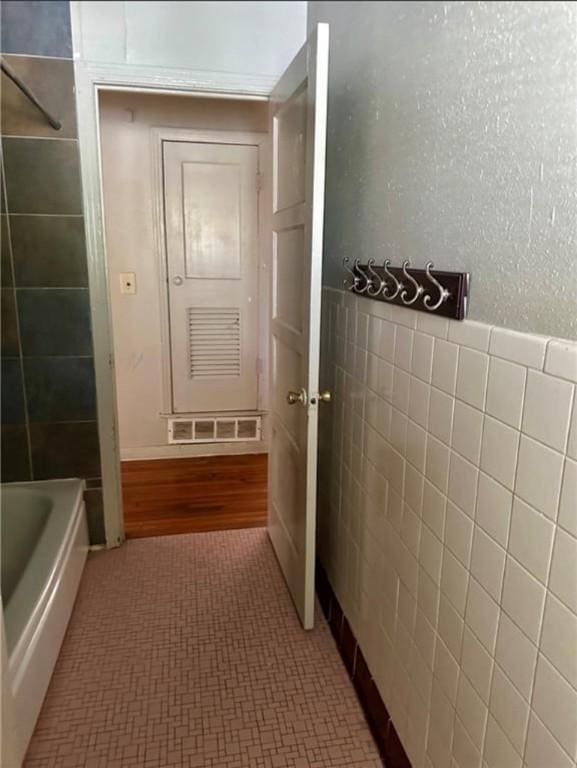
{"points": [[298, 111], [212, 265]]}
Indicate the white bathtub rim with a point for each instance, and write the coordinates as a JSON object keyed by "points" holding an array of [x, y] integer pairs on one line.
{"points": [[42, 603], [20, 656]]}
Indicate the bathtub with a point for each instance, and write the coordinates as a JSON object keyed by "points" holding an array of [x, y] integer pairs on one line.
{"points": [[44, 544]]}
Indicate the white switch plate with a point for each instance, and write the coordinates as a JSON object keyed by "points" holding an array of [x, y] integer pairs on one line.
{"points": [[127, 282]]}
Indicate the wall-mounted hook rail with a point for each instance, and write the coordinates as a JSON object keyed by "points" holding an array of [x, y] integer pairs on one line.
{"points": [[9, 72], [439, 293]]}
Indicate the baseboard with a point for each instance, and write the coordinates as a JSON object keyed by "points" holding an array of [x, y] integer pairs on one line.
{"points": [[378, 718]]}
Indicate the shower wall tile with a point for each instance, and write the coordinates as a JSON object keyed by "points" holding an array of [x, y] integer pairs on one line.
{"points": [[42, 176], [44, 276], [60, 388], [36, 27], [12, 392], [55, 322], [49, 251], [52, 82], [487, 449], [14, 454], [9, 331], [64, 450]]}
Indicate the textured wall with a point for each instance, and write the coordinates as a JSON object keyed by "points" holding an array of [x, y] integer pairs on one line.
{"points": [[453, 136], [49, 425], [257, 38]]}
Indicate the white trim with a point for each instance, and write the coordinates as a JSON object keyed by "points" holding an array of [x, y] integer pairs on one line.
{"points": [[90, 79]]}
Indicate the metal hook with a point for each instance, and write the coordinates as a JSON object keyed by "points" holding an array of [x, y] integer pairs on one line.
{"points": [[362, 276], [396, 283], [418, 288], [350, 286], [443, 292], [375, 279]]}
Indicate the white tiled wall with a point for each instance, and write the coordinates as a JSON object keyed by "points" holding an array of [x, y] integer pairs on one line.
{"points": [[447, 525]]}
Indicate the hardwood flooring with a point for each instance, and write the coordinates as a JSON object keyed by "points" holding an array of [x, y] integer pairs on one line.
{"points": [[212, 493]]}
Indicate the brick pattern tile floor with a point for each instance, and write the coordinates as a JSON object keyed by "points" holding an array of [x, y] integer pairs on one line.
{"points": [[186, 651]]}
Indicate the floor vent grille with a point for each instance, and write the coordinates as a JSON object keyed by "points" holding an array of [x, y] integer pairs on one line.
{"points": [[218, 429]]}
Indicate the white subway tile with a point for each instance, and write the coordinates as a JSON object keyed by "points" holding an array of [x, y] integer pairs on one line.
{"points": [[454, 581], [563, 576], [463, 479], [506, 391], [446, 670], [437, 463], [499, 451], [488, 563], [568, 502], [398, 435], [434, 504], [416, 445], [509, 708], [516, 655], [543, 749], [468, 333], [403, 316], [433, 325], [531, 539], [431, 554], [403, 348], [561, 359], [374, 336], [523, 599], [401, 390], [472, 377], [413, 488], [465, 753], [362, 330], [547, 409], [467, 432], [523, 348], [410, 530], [555, 702], [387, 341], [572, 443], [441, 415], [499, 752], [450, 626], [428, 595], [425, 638], [477, 664], [422, 361], [482, 615], [458, 533], [559, 638], [539, 476], [472, 711], [442, 713], [419, 395], [493, 512], [445, 359]]}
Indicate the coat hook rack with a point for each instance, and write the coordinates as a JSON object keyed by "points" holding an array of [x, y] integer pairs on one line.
{"points": [[439, 292], [9, 72]]}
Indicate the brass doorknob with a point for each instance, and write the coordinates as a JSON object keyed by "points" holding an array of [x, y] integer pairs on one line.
{"points": [[325, 396], [296, 397]]}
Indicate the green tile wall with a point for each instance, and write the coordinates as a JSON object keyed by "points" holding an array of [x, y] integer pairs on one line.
{"points": [[49, 427]]}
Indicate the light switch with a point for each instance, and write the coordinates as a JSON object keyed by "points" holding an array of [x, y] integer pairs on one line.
{"points": [[127, 282]]}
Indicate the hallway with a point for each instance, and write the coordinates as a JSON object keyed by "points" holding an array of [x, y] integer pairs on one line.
{"points": [[186, 651]]}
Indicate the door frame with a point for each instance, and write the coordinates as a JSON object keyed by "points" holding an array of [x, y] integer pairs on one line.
{"points": [[91, 78], [224, 137]]}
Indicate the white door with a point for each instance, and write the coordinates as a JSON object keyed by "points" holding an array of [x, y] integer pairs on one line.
{"points": [[299, 104], [211, 215]]}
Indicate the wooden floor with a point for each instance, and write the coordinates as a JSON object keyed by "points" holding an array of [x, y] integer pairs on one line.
{"points": [[212, 493]]}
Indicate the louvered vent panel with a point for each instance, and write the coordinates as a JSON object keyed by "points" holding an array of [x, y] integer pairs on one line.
{"points": [[214, 342]]}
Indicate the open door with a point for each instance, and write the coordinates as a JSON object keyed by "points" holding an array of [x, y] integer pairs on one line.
{"points": [[299, 113]]}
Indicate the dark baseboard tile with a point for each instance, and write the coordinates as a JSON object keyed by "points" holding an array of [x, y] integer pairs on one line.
{"points": [[378, 718]]}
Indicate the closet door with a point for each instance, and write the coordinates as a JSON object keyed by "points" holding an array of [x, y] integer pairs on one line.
{"points": [[299, 104], [211, 210]]}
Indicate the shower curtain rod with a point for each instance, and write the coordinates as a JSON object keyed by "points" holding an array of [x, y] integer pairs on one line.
{"points": [[56, 124]]}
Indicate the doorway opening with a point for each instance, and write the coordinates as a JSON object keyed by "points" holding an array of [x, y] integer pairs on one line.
{"points": [[185, 213]]}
